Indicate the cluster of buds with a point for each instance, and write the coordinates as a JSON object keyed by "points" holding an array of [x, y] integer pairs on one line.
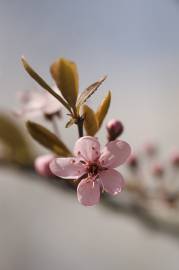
{"points": [[146, 170], [91, 169]]}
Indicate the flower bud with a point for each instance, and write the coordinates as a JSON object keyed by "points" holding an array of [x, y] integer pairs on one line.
{"points": [[175, 159], [42, 165], [150, 149], [171, 199], [132, 161], [114, 128], [158, 170]]}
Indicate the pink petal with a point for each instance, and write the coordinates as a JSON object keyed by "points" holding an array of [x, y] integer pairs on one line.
{"points": [[114, 154], [32, 103], [87, 148], [88, 192], [32, 99], [112, 181], [68, 168], [42, 164]]}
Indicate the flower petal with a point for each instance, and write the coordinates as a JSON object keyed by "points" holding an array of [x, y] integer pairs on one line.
{"points": [[32, 100], [68, 168], [114, 154], [31, 104], [87, 148], [112, 181], [88, 192]]}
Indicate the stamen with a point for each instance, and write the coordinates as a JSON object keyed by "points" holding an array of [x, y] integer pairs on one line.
{"points": [[102, 186], [82, 161]]}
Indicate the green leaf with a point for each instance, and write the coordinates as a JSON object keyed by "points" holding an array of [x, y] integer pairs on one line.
{"points": [[42, 83], [103, 108], [90, 121], [65, 74], [89, 91], [47, 139]]}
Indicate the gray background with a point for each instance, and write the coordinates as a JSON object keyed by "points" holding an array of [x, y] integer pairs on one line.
{"points": [[136, 43], [44, 227]]}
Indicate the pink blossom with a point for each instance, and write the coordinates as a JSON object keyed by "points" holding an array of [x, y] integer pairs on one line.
{"points": [[95, 169], [42, 165], [37, 103]]}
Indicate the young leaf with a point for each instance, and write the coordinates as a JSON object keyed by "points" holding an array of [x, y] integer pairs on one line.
{"points": [[42, 83], [103, 109], [90, 121], [65, 75], [70, 123], [89, 91], [47, 139]]}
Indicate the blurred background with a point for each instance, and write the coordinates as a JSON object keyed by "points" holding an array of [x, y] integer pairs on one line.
{"points": [[134, 42]]}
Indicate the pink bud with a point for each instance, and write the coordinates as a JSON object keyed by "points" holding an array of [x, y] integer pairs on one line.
{"points": [[42, 165], [175, 159], [150, 149], [171, 199], [132, 161], [114, 129], [158, 170]]}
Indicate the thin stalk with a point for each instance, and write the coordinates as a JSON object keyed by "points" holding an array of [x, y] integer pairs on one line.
{"points": [[80, 127], [79, 122]]}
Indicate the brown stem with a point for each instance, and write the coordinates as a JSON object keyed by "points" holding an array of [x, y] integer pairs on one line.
{"points": [[80, 126]]}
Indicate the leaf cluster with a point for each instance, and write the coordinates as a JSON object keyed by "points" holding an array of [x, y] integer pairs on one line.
{"points": [[65, 74]]}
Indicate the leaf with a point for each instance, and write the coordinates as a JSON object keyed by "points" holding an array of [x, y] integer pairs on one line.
{"points": [[90, 121], [103, 108], [70, 123], [89, 91], [65, 74], [42, 83], [47, 139], [13, 139]]}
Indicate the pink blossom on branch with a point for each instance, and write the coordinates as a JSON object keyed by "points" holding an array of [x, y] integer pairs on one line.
{"points": [[38, 103], [95, 168]]}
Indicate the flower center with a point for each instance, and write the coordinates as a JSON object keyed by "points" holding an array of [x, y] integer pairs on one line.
{"points": [[93, 169]]}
